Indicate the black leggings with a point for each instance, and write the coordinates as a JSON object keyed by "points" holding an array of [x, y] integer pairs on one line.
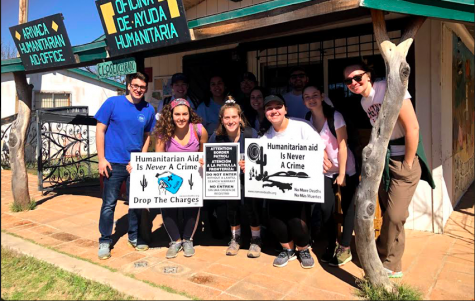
{"points": [[347, 206], [234, 212], [190, 223], [289, 221]]}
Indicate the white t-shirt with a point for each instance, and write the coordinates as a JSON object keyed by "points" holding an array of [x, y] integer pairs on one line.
{"points": [[297, 129], [372, 105], [331, 146], [296, 107]]}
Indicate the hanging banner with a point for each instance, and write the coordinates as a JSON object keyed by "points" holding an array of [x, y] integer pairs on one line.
{"points": [[166, 180], [43, 43], [221, 172], [132, 25], [284, 170], [116, 68]]}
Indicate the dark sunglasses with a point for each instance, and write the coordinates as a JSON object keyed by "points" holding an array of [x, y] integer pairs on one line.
{"points": [[357, 78]]}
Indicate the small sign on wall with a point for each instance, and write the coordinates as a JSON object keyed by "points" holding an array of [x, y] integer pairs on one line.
{"points": [[116, 68]]}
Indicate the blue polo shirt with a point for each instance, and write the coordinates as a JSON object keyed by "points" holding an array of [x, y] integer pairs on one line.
{"points": [[126, 124]]}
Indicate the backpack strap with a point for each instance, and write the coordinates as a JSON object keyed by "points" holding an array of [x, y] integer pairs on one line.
{"points": [[331, 124], [247, 132], [196, 132], [308, 115]]}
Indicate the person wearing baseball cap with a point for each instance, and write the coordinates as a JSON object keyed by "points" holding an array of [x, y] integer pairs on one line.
{"points": [[180, 88], [289, 219]]}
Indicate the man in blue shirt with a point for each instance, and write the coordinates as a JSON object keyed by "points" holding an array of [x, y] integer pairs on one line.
{"points": [[124, 124]]}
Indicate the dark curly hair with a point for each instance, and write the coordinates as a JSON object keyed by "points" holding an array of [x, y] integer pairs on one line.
{"points": [[165, 127]]}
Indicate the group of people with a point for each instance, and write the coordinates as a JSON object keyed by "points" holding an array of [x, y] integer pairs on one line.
{"points": [[125, 124]]}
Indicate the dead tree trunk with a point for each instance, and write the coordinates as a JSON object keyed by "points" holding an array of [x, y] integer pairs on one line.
{"points": [[16, 142], [397, 75]]}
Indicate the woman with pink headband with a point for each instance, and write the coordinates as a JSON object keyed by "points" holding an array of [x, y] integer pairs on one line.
{"points": [[179, 129]]}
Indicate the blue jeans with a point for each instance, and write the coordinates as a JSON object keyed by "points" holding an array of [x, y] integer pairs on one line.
{"points": [[110, 194]]}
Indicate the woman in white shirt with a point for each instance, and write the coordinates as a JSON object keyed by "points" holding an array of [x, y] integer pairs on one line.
{"points": [[332, 129], [288, 219]]}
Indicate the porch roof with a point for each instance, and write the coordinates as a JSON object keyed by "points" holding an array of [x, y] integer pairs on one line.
{"points": [[279, 15]]}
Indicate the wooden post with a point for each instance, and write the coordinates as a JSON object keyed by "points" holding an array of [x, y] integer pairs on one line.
{"points": [[16, 142], [397, 75]]}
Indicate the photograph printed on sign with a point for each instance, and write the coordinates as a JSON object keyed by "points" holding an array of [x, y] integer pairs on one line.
{"points": [[221, 171], [284, 170], [166, 180]]}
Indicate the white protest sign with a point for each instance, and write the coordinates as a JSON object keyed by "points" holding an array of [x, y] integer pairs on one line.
{"points": [[166, 180], [284, 170], [221, 172]]}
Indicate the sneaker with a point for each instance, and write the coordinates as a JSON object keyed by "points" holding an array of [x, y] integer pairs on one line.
{"points": [[284, 257], [392, 274], [255, 248], [329, 253], [234, 246], [342, 256], [139, 244], [188, 249], [306, 259], [104, 250], [173, 249]]}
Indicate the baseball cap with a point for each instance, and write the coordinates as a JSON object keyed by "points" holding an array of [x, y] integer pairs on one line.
{"points": [[179, 76], [248, 75], [275, 98]]}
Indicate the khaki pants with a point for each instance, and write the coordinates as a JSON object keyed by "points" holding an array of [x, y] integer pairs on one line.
{"points": [[394, 205]]}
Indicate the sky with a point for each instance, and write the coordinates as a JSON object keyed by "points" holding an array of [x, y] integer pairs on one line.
{"points": [[81, 18]]}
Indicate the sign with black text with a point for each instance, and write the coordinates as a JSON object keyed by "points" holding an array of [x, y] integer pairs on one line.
{"points": [[43, 43], [116, 68], [166, 180], [284, 170], [136, 25], [221, 172]]}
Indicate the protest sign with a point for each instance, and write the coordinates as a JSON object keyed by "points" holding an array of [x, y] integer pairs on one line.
{"points": [[284, 170], [166, 180], [221, 173], [136, 25], [43, 43]]}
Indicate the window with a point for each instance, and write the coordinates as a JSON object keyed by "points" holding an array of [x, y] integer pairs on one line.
{"points": [[51, 100]]}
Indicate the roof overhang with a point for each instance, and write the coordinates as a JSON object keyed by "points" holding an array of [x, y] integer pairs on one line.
{"points": [[455, 10], [266, 20]]}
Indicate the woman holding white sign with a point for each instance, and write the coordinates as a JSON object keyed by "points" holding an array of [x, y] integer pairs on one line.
{"points": [[179, 130], [332, 129], [288, 219], [232, 128]]}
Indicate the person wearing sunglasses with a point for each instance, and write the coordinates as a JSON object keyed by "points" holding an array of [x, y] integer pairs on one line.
{"points": [[298, 80], [123, 126], [404, 166]]}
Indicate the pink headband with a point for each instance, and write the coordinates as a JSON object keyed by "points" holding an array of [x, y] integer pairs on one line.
{"points": [[178, 102]]}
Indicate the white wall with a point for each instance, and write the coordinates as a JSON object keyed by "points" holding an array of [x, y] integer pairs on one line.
{"points": [[8, 94], [430, 209]]}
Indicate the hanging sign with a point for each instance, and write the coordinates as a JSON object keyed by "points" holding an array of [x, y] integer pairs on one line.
{"points": [[221, 172], [43, 43], [136, 25], [116, 68], [166, 180], [284, 170]]}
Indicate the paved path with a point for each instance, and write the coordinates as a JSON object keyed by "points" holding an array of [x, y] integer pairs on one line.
{"points": [[442, 266], [90, 271]]}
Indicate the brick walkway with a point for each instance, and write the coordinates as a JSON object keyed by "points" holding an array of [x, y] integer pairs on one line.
{"points": [[442, 266]]}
